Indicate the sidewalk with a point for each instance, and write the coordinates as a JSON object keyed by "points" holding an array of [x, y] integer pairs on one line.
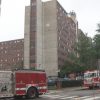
{"points": [[64, 89]]}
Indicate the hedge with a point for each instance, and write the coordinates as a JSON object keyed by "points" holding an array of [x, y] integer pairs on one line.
{"points": [[71, 83], [67, 83]]}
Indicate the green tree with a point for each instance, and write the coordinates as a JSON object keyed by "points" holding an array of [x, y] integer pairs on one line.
{"points": [[98, 28], [71, 67], [84, 49], [82, 59]]}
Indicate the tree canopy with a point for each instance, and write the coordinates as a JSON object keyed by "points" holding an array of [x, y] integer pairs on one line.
{"points": [[87, 54]]}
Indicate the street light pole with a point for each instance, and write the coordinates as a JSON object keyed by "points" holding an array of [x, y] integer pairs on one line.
{"points": [[99, 65]]}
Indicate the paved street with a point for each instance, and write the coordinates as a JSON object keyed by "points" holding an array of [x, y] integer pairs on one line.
{"points": [[69, 94], [73, 94]]}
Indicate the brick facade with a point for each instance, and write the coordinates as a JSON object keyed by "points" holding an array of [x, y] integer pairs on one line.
{"points": [[11, 54], [66, 34]]}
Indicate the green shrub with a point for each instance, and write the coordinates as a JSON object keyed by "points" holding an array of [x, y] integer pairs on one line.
{"points": [[71, 83]]}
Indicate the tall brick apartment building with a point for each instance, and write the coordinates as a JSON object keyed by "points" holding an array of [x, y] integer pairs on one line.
{"points": [[50, 33], [11, 54]]}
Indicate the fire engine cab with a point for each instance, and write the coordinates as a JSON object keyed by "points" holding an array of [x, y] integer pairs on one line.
{"points": [[26, 83], [92, 79]]}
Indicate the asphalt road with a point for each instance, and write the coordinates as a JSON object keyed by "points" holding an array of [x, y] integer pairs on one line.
{"points": [[69, 94], [72, 94]]}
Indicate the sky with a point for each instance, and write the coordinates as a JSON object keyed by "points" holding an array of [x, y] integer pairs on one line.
{"points": [[13, 11]]}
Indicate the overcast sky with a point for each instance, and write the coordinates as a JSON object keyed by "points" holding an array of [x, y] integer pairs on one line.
{"points": [[12, 16]]}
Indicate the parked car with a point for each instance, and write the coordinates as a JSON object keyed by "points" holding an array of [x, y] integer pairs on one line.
{"points": [[52, 80]]}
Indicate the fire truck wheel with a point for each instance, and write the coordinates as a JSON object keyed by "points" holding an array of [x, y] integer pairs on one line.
{"points": [[32, 93]]}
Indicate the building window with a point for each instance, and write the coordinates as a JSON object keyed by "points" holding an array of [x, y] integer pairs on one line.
{"points": [[18, 41], [63, 12], [22, 58], [1, 47], [18, 54], [13, 60], [60, 8], [58, 17], [10, 42], [5, 51], [68, 50], [18, 59], [59, 38], [34, 4], [59, 45], [64, 48], [47, 25], [1, 65]]}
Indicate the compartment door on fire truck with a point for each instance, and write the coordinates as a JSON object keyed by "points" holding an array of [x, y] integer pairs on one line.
{"points": [[6, 84]]}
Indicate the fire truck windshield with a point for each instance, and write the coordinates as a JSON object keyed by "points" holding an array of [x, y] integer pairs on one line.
{"points": [[89, 75], [92, 74]]}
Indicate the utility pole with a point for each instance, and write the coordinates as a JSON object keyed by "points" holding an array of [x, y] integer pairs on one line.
{"points": [[99, 65]]}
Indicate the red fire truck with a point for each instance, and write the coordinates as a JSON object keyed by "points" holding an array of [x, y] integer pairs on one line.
{"points": [[92, 79], [25, 83]]}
